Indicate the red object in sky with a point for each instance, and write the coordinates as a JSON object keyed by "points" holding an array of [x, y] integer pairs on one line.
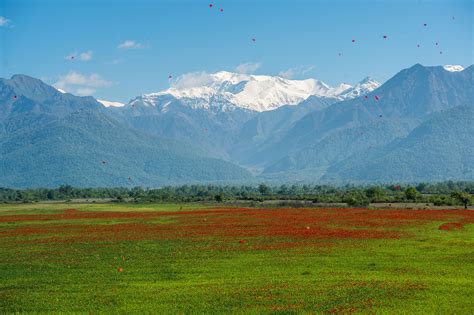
{"points": [[14, 97], [376, 97], [221, 10], [211, 5], [366, 97]]}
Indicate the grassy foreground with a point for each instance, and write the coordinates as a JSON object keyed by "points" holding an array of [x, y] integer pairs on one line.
{"points": [[185, 258]]}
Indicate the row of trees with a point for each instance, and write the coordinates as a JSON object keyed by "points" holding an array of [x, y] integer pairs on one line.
{"points": [[446, 193]]}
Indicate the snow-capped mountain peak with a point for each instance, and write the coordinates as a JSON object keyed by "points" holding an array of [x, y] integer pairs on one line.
{"points": [[251, 92], [453, 68], [110, 104], [365, 86]]}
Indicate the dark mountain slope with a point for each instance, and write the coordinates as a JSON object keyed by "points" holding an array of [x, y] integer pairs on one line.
{"points": [[82, 146]]}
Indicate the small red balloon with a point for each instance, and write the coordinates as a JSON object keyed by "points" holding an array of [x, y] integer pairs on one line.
{"points": [[376, 98], [211, 5], [221, 10], [14, 97]]}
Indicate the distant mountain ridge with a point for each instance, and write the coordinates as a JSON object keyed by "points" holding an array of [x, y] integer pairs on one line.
{"points": [[50, 138], [417, 126], [225, 90], [210, 110], [323, 138]]}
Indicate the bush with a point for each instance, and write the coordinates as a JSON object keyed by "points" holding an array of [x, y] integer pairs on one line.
{"points": [[411, 193], [356, 199], [219, 197]]}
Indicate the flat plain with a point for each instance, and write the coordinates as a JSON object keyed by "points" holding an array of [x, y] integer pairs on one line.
{"points": [[193, 258]]}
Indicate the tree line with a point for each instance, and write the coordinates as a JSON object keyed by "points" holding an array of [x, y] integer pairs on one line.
{"points": [[443, 193]]}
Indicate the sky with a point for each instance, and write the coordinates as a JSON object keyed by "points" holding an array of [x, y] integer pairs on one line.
{"points": [[117, 50]]}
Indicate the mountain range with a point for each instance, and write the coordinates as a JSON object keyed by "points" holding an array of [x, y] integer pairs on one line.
{"points": [[236, 128]]}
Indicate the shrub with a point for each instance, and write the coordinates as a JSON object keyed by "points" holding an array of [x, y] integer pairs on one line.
{"points": [[356, 199]]}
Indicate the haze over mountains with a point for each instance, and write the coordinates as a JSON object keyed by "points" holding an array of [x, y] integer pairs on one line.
{"points": [[234, 128]]}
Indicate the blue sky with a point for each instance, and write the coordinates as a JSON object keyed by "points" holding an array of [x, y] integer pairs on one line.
{"points": [[298, 39]]}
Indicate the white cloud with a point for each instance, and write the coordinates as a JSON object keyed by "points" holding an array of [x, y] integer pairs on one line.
{"points": [[295, 71], [130, 44], [80, 84], [4, 21], [86, 56], [117, 61], [248, 67], [194, 79]]}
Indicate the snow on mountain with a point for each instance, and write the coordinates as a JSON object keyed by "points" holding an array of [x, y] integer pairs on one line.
{"points": [[224, 90], [453, 68], [111, 104], [363, 87]]}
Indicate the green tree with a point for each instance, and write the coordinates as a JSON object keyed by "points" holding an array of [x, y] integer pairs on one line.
{"points": [[375, 194], [462, 196], [65, 190], [411, 193], [356, 198], [219, 197], [264, 189], [51, 195]]}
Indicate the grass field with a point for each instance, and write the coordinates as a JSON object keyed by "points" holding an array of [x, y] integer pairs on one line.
{"points": [[172, 258]]}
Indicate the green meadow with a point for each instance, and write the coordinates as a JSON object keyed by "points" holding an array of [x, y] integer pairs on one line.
{"points": [[192, 258]]}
